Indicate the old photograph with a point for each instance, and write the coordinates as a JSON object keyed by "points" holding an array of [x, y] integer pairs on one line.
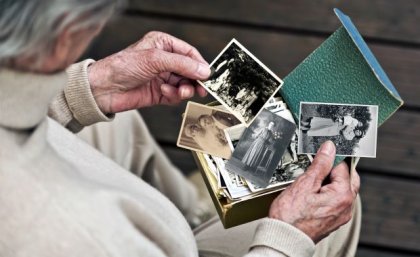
{"points": [[289, 168], [286, 173], [352, 128], [241, 82], [202, 130], [280, 109], [233, 134], [235, 185], [261, 148]]}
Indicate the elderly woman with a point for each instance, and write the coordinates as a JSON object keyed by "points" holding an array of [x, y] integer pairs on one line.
{"points": [[61, 197]]}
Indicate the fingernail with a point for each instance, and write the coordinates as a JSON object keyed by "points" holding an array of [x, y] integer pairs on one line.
{"points": [[185, 93], [203, 70], [165, 88], [327, 148]]}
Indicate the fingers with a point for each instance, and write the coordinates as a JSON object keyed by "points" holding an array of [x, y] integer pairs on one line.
{"points": [[201, 91], [181, 87], [322, 163], [339, 182], [174, 95], [343, 187], [181, 47], [161, 61], [340, 174], [186, 89], [180, 62], [170, 93], [175, 45], [355, 181]]}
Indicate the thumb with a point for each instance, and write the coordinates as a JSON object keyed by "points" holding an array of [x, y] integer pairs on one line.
{"points": [[322, 163], [162, 61]]}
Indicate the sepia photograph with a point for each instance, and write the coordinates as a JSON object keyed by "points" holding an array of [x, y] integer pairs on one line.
{"points": [[241, 82], [261, 148], [352, 128], [202, 130]]}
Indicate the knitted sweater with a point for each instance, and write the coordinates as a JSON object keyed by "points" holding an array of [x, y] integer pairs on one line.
{"points": [[61, 197]]}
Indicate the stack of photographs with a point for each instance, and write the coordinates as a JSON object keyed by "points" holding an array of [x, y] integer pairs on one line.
{"points": [[250, 141], [287, 169]]}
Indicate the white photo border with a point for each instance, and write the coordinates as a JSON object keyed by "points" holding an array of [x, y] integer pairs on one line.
{"points": [[234, 41], [343, 104], [184, 118]]}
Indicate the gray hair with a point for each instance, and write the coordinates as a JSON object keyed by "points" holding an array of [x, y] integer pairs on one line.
{"points": [[30, 27]]}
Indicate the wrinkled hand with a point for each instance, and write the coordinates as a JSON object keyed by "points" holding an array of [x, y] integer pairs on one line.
{"points": [[158, 69], [318, 209]]}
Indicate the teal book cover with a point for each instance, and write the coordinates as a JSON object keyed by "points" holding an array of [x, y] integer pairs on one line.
{"points": [[342, 70]]}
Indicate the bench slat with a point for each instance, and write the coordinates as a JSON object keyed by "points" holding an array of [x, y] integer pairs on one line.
{"points": [[381, 19]]}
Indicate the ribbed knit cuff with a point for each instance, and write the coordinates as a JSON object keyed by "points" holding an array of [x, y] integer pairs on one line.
{"points": [[284, 238], [59, 110], [80, 98], [259, 251]]}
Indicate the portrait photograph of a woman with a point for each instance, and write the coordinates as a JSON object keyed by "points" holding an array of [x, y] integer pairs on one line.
{"points": [[261, 148]]}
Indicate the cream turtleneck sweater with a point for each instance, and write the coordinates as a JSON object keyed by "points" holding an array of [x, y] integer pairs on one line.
{"points": [[61, 197]]}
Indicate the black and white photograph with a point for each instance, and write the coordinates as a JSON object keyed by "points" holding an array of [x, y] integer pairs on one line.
{"points": [[290, 167], [286, 172], [212, 165], [235, 185], [233, 134], [241, 82], [280, 109], [202, 130], [352, 128], [261, 148]]}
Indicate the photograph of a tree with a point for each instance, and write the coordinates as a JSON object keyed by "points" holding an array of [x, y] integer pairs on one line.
{"points": [[241, 82], [244, 72]]}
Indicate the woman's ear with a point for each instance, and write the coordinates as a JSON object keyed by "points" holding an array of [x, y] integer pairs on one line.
{"points": [[69, 46], [62, 45], [57, 58], [66, 49]]}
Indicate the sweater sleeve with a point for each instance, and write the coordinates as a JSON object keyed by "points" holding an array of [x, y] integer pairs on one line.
{"points": [[75, 107], [275, 238]]}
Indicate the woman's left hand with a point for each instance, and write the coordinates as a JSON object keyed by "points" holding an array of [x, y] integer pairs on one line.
{"points": [[158, 69]]}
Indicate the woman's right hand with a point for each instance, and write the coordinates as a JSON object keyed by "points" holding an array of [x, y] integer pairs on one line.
{"points": [[158, 69], [314, 208]]}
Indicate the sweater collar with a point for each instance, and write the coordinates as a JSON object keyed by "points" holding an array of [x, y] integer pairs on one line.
{"points": [[25, 97]]}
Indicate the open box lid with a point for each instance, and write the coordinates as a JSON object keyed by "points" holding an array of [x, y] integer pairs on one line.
{"points": [[366, 52], [341, 70]]}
